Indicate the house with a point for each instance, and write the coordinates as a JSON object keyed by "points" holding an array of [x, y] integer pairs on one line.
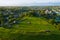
{"points": [[48, 11]]}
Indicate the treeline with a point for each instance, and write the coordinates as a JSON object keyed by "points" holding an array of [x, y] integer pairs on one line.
{"points": [[9, 17]]}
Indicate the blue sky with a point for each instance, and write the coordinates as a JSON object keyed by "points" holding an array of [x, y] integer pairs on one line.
{"points": [[25, 2]]}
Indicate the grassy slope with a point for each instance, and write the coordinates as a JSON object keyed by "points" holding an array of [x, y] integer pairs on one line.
{"points": [[37, 24]]}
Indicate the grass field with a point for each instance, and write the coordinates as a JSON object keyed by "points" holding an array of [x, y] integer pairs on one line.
{"points": [[31, 28]]}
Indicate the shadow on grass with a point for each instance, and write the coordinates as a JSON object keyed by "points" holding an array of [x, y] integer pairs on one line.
{"points": [[32, 36], [38, 37]]}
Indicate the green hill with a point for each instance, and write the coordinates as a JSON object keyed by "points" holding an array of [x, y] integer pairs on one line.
{"points": [[29, 23], [31, 28]]}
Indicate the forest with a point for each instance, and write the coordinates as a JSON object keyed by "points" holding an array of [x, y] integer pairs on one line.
{"points": [[30, 23]]}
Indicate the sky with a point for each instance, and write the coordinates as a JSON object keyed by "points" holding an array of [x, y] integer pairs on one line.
{"points": [[25, 2]]}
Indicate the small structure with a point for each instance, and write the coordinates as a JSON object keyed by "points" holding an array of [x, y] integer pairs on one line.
{"points": [[48, 11], [15, 22]]}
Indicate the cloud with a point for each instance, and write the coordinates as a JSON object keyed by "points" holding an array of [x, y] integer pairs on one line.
{"points": [[24, 2]]}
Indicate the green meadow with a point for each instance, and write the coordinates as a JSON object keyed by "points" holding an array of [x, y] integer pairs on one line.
{"points": [[29, 26]]}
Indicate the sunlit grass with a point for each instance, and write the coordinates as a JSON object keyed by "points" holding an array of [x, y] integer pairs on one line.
{"points": [[30, 31], [36, 25]]}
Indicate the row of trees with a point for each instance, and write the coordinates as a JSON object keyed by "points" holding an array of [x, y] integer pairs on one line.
{"points": [[8, 17]]}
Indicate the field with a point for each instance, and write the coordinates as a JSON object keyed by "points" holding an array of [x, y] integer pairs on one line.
{"points": [[30, 25]]}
